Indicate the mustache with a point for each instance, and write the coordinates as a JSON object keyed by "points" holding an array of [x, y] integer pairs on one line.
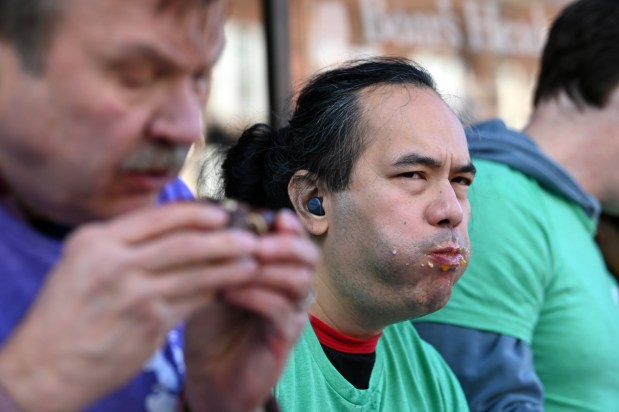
{"points": [[447, 237], [155, 156]]}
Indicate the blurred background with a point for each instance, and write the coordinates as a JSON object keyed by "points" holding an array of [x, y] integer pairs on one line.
{"points": [[483, 55]]}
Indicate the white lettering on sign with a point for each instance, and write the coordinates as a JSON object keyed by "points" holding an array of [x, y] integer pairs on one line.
{"points": [[487, 31], [412, 28], [480, 27]]}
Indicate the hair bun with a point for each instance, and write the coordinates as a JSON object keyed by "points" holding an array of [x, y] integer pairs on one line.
{"points": [[246, 169]]}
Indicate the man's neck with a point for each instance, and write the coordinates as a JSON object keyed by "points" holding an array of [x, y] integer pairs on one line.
{"points": [[568, 135], [342, 321], [341, 342], [17, 209]]}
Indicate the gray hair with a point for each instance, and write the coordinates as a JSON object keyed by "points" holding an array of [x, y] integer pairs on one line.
{"points": [[28, 26]]}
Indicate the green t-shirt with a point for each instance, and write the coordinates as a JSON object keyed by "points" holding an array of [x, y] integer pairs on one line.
{"points": [[409, 375], [536, 274]]}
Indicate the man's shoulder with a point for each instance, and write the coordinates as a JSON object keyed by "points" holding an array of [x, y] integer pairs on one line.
{"points": [[418, 365], [500, 189], [496, 181], [404, 335]]}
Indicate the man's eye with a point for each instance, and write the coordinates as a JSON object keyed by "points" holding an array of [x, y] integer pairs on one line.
{"points": [[135, 82], [462, 181], [136, 79], [411, 175]]}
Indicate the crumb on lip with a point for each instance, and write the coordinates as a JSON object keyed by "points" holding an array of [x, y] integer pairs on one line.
{"points": [[445, 268]]}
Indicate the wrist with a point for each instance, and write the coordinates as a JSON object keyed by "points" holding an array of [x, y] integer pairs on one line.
{"points": [[25, 384]]}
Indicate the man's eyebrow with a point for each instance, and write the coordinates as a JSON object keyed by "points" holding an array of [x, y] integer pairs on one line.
{"points": [[139, 52], [147, 54], [415, 159], [467, 168]]}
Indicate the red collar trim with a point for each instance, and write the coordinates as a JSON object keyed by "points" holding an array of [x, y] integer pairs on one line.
{"points": [[333, 339]]}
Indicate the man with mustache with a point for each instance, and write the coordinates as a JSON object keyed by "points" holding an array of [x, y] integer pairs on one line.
{"points": [[116, 296], [377, 167]]}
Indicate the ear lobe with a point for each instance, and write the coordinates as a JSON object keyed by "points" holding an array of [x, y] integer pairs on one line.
{"points": [[306, 196]]}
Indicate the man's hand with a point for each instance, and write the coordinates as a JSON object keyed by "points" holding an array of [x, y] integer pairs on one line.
{"points": [[236, 348], [121, 286]]}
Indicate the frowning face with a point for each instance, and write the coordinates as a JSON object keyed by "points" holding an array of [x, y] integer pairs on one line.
{"points": [[397, 239], [108, 121]]}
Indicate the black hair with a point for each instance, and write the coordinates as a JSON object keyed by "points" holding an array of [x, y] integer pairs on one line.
{"points": [[581, 55], [325, 135]]}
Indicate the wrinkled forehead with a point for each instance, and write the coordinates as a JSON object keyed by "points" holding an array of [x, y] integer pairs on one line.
{"points": [[178, 6], [411, 118], [183, 4], [182, 27], [196, 11]]}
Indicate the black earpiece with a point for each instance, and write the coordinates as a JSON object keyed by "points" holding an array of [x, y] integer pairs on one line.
{"points": [[314, 205]]}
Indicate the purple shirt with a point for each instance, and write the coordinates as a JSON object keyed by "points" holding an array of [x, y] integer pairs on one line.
{"points": [[27, 257]]}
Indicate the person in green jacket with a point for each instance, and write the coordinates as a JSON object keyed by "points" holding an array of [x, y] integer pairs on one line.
{"points": [[534, 323], [376, 166]]}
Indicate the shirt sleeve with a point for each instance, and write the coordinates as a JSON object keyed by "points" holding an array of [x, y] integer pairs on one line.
{"points": [[175, 190], [496, 371]]}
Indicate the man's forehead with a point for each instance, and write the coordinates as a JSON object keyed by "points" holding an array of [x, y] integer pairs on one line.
{"points": [[197, 11], [184, 5], [179, 6], [408, 109], [402, 120], [178, 32]]}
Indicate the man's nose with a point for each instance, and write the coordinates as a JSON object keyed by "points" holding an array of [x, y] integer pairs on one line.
{"points": [[445, 209], [179, 119]]}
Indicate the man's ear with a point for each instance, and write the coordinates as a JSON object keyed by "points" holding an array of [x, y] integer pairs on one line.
{"points": [[308, 201]]}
